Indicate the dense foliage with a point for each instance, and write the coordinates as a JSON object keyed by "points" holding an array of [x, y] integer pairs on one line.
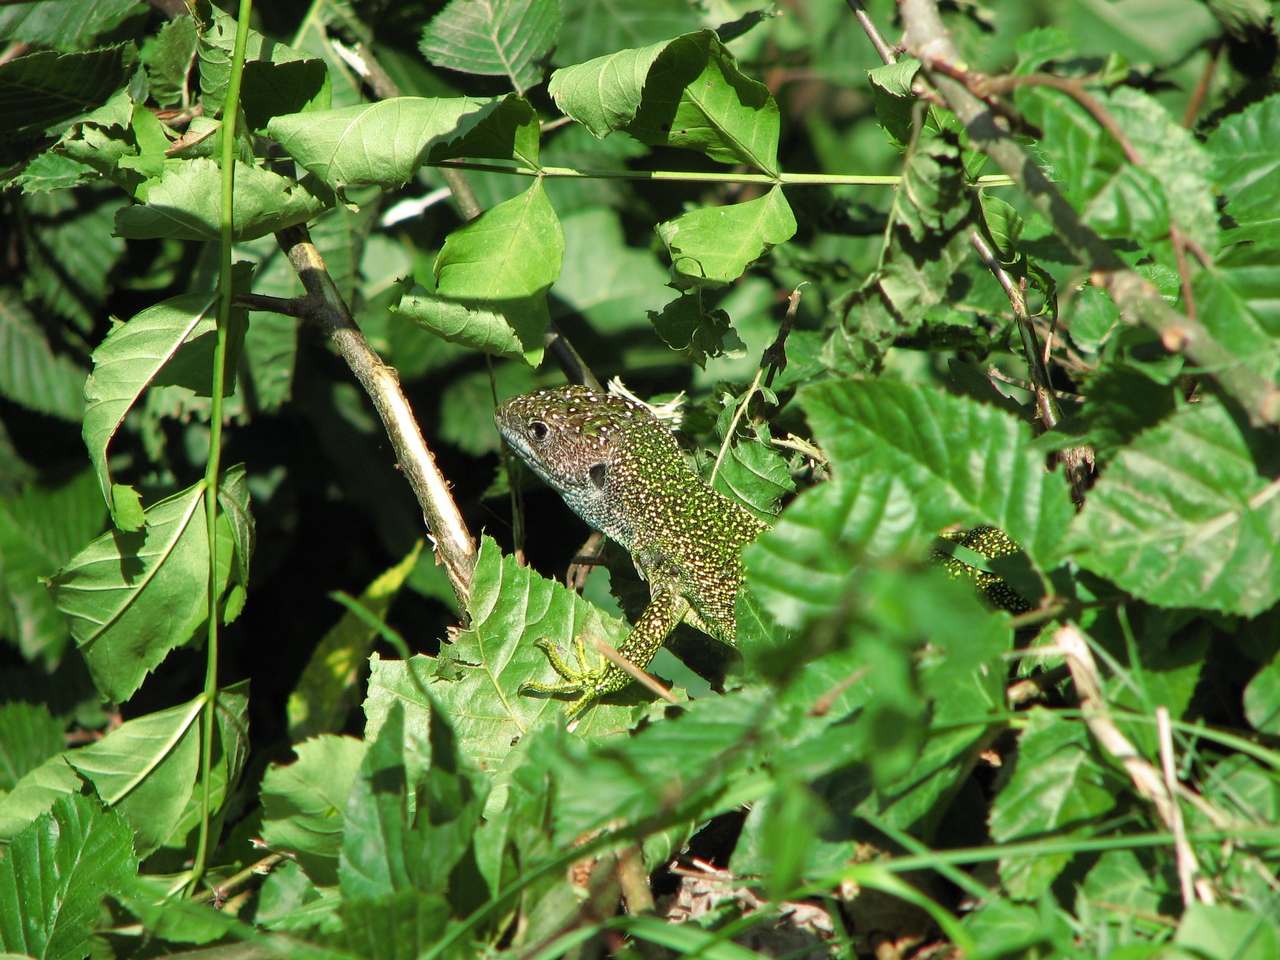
{"points": [[1014, 268]]}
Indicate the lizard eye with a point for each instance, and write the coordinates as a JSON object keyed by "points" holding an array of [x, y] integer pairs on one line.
{"points": [[538, 430]]}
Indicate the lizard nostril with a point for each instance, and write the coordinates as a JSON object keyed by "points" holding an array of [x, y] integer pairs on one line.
{"points": [[537, 430]]}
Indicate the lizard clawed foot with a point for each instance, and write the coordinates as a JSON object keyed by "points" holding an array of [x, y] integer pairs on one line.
{"points": [[586, 683]]}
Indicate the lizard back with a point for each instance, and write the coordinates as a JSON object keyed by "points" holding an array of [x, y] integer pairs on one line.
{"points": [[619, 468]]}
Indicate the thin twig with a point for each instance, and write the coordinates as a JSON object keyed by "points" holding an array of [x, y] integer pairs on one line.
{"points": [[453, 542], [869, 27], [1097, 717], [1202, 85], [631, 670], [1186, 857]]}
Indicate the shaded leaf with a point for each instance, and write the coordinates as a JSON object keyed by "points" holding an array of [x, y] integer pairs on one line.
{"points": [[29, 735], [324, 694], [505, 38], [1056, 785], [31, 374], [593, 28], [40, 90], [303, 802]]}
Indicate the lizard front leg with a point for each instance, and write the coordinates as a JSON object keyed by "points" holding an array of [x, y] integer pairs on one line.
{"points": [[589, 682]]}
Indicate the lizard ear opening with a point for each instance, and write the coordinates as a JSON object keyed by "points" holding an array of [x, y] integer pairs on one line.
{"points": [[598, 473]]}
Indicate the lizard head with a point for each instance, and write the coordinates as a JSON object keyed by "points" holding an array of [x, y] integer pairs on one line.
{"points": [[590, 447]]}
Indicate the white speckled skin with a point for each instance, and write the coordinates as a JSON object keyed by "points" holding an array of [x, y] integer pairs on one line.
{"points": [[619, 468]]}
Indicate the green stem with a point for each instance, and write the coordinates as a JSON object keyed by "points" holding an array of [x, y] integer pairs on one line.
{"points": [[794, 179], [230, 111]]}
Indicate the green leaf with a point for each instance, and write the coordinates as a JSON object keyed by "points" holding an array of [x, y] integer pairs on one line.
{"points": [[479, 675], [499, 265], [928, 242], [42, 89], [503, 38], [325, 692], [55, 874], [390, 842], [31, 374], [40, 530], [593, 28], [303, 802], [125, 363], [685, 764], [380, 143], [482, 330], [686, 93], [1131, 886], [1056, 785], [230, 750], [1182, 516], [1177, 160], [185, 204], [1246, 165], [1237, 296], [687, 326], [505, 128], [712, 246], [1262, 699], [756, 476], [1115, 198], [964, 462], [35, 794], [134, 596], [1220, 932], [894, 101], [29, 735], [47, 25], [261, 87], [146, 769], [396, 926], [805, 566]]}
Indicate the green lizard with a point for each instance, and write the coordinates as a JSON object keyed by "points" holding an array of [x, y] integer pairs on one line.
{"points": [[620, 469]]}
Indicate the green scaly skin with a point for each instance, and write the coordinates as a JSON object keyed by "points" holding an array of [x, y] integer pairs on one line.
{"points": [[620, 469], [991, 542]]}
